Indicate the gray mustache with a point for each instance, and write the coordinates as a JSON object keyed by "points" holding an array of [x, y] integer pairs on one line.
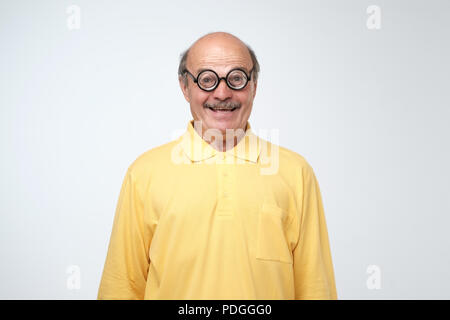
{"points": [[222, 105]]}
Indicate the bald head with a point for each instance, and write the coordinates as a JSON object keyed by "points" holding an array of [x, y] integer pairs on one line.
{"points": [[224, 106], [218, 46]]}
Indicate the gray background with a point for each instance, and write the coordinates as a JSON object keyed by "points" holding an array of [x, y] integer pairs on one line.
{"points": [[368, 109]]}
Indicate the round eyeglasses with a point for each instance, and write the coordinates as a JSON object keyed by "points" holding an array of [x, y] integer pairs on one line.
{"points": [[208, 80]]}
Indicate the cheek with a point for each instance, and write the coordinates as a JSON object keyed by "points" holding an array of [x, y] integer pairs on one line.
{"points": [[199, 98], [245, 97]]}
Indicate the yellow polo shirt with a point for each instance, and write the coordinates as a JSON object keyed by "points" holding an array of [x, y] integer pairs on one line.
{"points": [[192, 222]]}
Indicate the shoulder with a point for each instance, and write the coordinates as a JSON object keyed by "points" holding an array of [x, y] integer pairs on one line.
{"points": [[293, 158], [298, 163], [289, 160], [152, 159]]}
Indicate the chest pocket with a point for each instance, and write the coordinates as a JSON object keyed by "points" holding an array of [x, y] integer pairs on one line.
{"points": [[271, 240]]}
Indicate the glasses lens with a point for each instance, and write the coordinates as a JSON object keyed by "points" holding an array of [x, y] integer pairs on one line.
{"points": [[207, 80], [237, 79]]}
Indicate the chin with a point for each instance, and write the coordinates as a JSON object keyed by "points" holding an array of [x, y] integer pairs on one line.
{"points": [[223, 125]]}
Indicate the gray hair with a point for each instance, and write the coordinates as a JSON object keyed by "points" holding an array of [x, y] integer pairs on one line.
{"points": [[183, 61]]}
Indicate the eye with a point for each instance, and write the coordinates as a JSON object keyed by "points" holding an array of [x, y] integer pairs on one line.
{"points": [[237, 78], [207, 79]]}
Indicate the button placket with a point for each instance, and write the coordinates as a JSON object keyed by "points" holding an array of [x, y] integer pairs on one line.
{"points": [[225, 180]]}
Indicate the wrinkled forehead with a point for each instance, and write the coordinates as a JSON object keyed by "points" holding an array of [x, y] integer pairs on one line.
{"points": [[220, 57]]}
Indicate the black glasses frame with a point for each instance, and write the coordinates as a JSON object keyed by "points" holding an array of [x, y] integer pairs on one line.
{"points": [[195, 79]]}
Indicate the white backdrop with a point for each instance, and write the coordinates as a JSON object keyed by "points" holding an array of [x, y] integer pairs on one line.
{"points": [[368, 108]]}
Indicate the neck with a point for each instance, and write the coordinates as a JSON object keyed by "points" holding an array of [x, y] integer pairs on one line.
{"points": [[221, 141]]}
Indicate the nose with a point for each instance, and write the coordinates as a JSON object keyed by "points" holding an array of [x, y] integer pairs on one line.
{"points": [[222, 92]]}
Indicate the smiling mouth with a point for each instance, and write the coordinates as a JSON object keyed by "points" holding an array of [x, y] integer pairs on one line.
{"points": [[222, 109]]}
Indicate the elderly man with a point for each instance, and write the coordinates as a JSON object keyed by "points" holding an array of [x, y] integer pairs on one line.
{"points": [[199, 218]]}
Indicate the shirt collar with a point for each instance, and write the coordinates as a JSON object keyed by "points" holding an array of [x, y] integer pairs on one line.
{"points": [[197, 149]]}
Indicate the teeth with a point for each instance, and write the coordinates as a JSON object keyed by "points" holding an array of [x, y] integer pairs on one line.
{"points": [[222, 109]]}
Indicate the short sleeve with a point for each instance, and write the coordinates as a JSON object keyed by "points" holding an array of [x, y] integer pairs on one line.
{"points": [[313, 267], [125, 271]]}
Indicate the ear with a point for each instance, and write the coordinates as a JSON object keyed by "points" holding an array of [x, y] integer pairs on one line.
{"points": [[184, 88]]}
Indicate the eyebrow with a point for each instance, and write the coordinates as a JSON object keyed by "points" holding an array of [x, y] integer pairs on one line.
{"points": [[232, 68]]}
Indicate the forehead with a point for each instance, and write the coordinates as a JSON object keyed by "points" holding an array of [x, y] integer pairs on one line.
{"points": [[219, 55]]}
